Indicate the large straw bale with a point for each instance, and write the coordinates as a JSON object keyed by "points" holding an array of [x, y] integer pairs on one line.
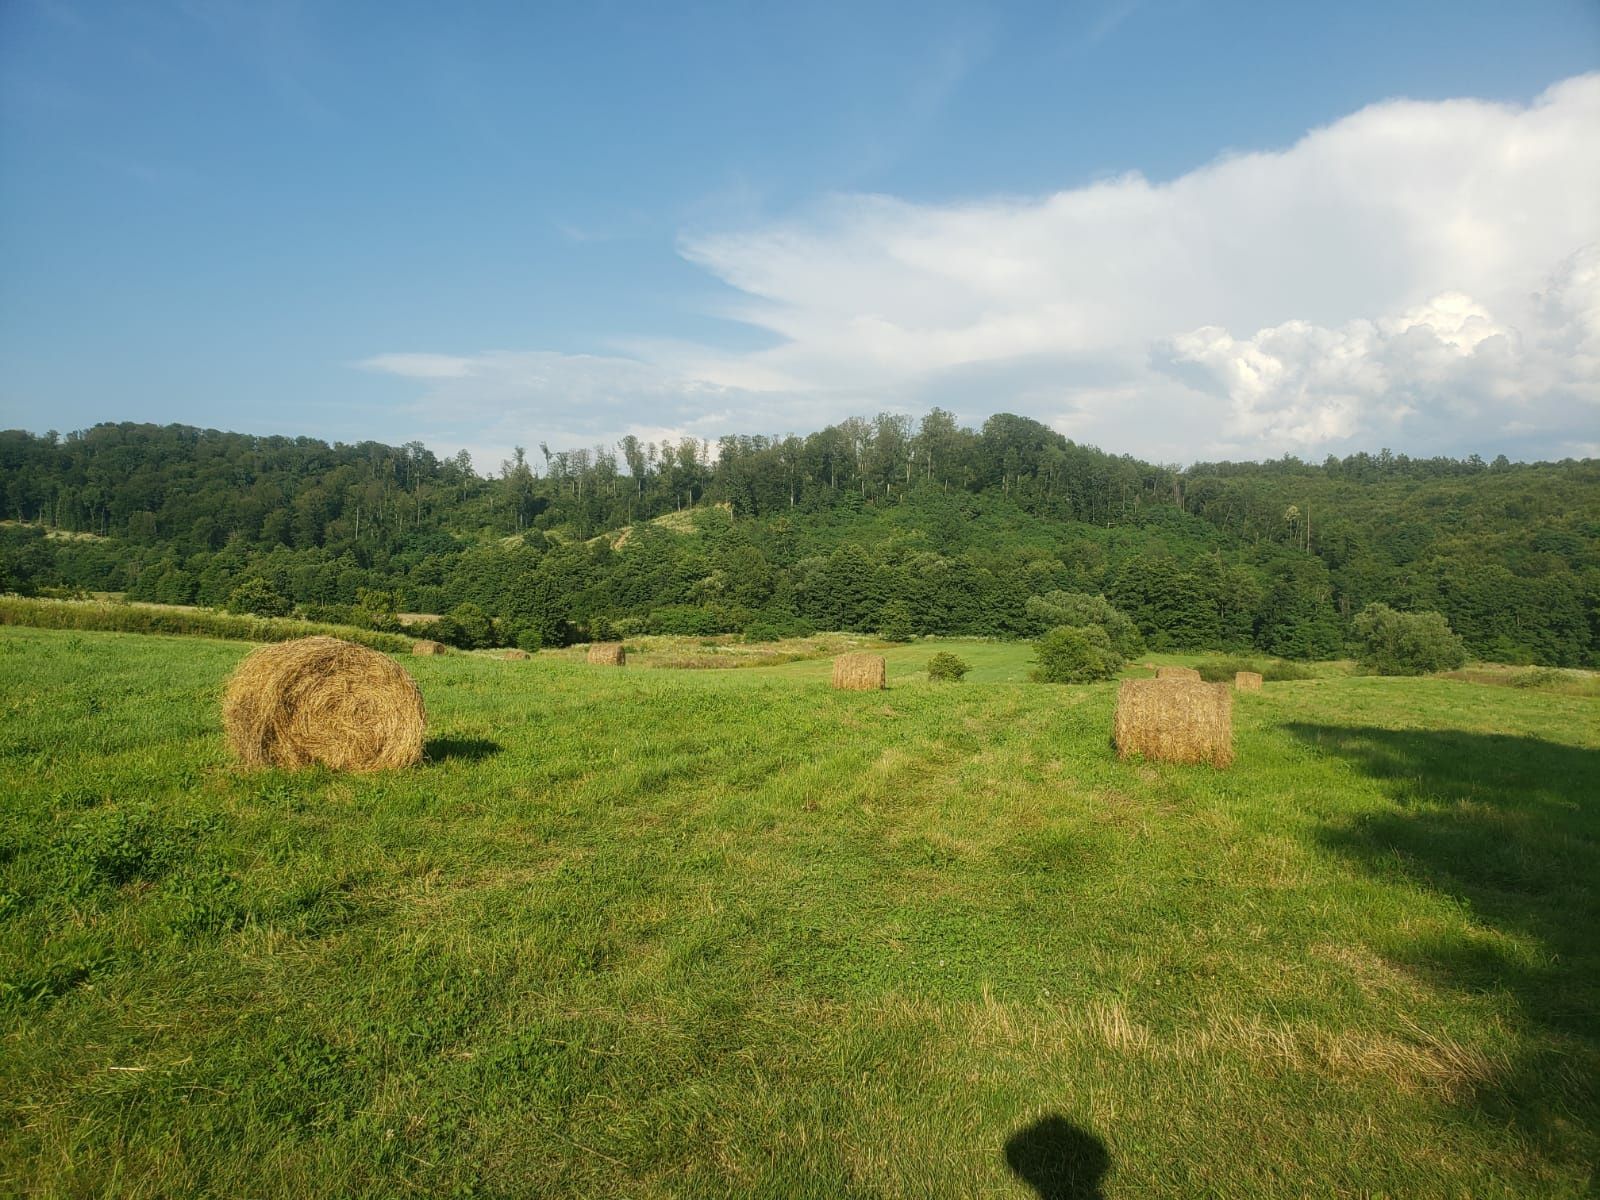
{"points": [[608, 654], [424, 646], [515, 654], [1175, 720], [1177, 673], [323, 700], [860, 672], [1247, 681]]}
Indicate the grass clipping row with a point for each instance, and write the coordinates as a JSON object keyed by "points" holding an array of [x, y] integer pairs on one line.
{"points": [[860, 672], [1175, 720], [323, 700]]}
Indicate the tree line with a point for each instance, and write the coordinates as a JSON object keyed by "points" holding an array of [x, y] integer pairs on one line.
{"points": [[960, 526]]}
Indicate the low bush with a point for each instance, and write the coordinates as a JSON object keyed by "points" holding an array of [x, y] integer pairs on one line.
{"points": [[256, 597], [947, 668], [896, 623], [1076, 654], [1078, 609], [1222, 670], [1538, 677], [1396, 643], [1281, 670]]}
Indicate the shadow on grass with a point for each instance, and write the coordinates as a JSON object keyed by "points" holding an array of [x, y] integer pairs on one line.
{"points": [[1058, 1160], [441, 749], [1509, 826]]}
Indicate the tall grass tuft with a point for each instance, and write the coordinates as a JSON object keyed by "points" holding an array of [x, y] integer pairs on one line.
{"points": [[141, 618]]}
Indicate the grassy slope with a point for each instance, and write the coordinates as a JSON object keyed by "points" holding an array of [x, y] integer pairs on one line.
{"points": [[731, 933]]}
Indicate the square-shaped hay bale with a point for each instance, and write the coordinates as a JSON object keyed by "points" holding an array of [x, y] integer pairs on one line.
{"points": [[1247, 681], [608, 654], [860, 672], [1177, 673], [1175, 720]]}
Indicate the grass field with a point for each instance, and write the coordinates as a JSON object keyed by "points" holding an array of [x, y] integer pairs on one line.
{"points": [[729, 933]]}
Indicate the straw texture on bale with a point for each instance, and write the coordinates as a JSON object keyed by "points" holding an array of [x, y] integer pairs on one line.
{"points": [[1247, 681], [608, 654], [860, 672], [1177, 673], [1175, 720], [323, 700], [424, 646]]}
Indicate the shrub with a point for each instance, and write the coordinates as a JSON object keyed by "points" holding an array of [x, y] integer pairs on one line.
{"points": [[895, 624], [1079, 609], [472, 626], [1538, 677], [774, 626], [530, 641], [1223, 670], [256, 597], [689, 620], [1280, 670], [1076, 654], [947, 667], [1397, 643]]}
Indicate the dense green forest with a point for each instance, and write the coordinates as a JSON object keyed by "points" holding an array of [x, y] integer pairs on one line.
{"points": [[842, 529]]}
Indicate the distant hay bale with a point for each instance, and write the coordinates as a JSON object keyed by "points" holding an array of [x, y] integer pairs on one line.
{"points": [[1247, 681], [860, 672], [1177, 673], [515, 654], [1175, 720], [322, 700], [424, 646], [608, 654]]}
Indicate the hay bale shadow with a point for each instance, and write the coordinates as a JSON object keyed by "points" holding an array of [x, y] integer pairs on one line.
{"points": [[443, 749], [1058, 1160]]}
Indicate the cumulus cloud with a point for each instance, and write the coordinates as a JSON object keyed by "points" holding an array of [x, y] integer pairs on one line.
{"points": [[1420, 274]]}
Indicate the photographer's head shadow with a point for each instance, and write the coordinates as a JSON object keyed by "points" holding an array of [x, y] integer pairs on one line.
{"points": [[1058, 1160]]}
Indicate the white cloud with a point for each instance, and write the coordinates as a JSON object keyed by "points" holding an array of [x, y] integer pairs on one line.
{"points": [[1417, 274]]}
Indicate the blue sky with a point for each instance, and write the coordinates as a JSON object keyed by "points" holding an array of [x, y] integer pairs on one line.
{"points": [[493, 224]]}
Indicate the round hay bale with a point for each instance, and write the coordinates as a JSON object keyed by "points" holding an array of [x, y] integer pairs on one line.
{"points": [[515, 655], [860, 672], [322, 700], [424, 646], [1247, 681], [1174, 720], [608, 654], [1178, 673]]}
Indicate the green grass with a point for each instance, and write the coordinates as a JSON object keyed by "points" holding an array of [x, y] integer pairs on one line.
{"points": [[731, 933]]}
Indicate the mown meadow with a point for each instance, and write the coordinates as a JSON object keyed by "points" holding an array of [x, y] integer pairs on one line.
{"points": [[658, 932]]}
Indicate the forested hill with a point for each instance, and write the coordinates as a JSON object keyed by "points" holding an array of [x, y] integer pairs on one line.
{"points": [[863, 522]]}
